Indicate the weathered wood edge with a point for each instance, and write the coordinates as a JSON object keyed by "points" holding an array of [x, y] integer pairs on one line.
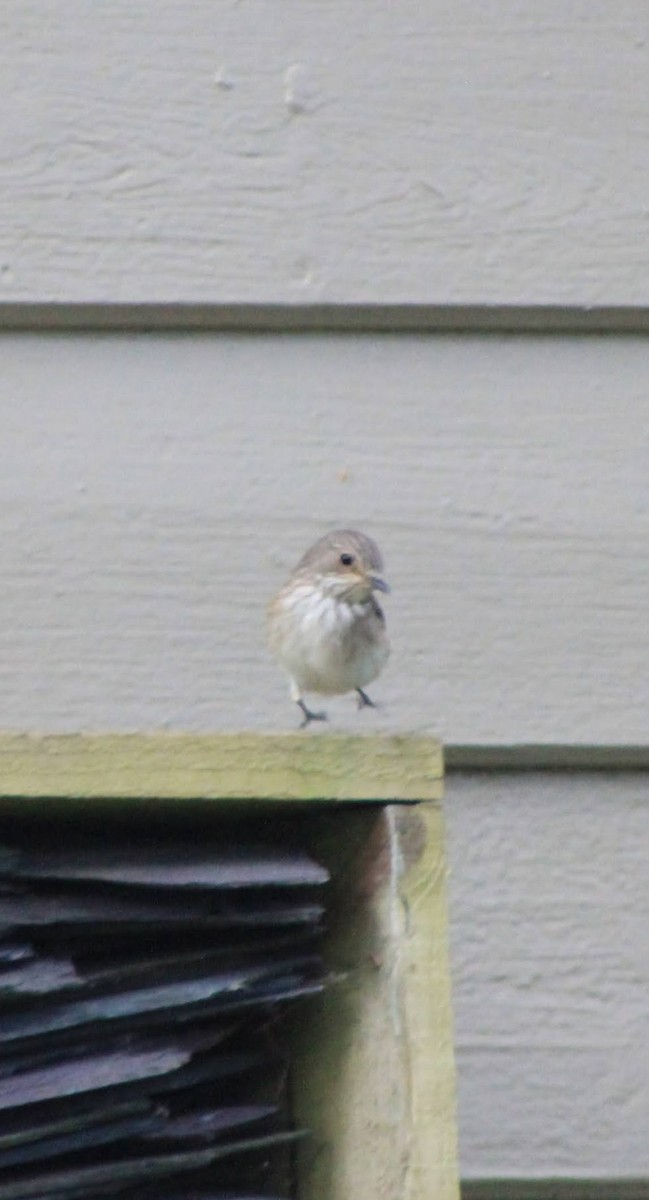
{"points": [[245, 766], [427, 1006], [374, 1071]]}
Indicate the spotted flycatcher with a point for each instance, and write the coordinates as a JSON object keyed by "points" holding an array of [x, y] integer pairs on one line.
{"points": [[325, 626]]}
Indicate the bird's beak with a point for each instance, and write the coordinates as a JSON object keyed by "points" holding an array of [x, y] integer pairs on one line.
{"points": [[378, 584]]}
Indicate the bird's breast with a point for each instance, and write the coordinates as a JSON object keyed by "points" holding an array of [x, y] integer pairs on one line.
{"points": [[326, 644]]}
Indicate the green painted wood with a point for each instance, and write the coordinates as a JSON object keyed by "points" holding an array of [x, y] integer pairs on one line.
{"points": [[291, 767]]}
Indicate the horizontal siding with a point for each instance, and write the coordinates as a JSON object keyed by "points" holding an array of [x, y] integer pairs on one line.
{"points": [[324, 152], [155, 490], [550, 951]]}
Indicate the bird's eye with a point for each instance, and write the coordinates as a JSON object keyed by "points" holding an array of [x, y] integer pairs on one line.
{"points": [[347, 559]]}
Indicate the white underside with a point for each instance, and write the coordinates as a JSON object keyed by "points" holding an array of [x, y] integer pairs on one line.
{"points": [[311, 641]]}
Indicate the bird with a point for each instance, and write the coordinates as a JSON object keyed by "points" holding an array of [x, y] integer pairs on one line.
{"points": [[325, 626]]}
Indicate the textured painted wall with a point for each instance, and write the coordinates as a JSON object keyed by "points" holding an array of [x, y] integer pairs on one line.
{"points": [[550, 941], [485, 152], [154, 491]]}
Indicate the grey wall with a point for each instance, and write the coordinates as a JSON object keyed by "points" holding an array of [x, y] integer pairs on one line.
{"points": [[334, 150], [550, 941], [156, 490], [155, 487]]}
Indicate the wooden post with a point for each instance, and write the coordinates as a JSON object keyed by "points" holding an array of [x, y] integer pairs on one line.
{"points": [[376, 1078]]}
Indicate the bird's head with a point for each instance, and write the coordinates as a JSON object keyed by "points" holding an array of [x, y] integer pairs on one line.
{"points": [[347, 564]]}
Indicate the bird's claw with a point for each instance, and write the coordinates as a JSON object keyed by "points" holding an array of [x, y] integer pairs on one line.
{"points": [[310, 716], [364, 700]]}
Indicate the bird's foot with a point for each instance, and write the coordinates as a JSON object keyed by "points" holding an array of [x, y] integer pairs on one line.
{"points": [[364, 700], [310, 716]]}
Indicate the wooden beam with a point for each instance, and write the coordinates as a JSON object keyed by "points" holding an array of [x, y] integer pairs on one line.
{"points": [[295, 767]]}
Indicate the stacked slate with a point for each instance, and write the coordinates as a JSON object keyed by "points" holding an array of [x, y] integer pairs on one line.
{"points": [[143, 991]]}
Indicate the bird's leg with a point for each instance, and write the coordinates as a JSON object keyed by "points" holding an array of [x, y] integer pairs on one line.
{"points": [[308, 715], [364, 700]]}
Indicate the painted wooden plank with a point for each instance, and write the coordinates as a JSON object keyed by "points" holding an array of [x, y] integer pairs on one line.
{"points": [[324, 152], [156, 490], [549, 908], [225, 767], [375, 1079]]}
